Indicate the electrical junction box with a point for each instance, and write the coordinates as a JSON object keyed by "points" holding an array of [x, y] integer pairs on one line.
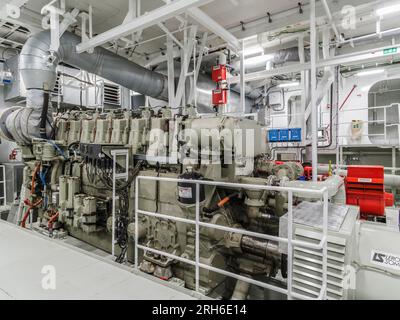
{"points": [[295, 134], [219, 73], [5, 76], [14, 91], [284, 135], [219, 97], [365, 188], [273, 135]]}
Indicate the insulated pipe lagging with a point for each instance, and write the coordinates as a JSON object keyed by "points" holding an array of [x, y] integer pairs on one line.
{"points": [[390, 180], [39, 72], [332, 184]]}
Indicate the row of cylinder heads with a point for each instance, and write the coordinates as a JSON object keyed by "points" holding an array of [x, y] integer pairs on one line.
{"points": [[77, 209], [110, 128]]}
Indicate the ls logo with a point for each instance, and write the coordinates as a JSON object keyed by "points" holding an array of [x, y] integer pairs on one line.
{"points": [[379, 257], [349, 18]]}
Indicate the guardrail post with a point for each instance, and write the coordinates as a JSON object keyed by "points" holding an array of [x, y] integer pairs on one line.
{"points": [[113, 211], [3, 183], [197, 237], [136, 223], [325, 247], [289, 245]]}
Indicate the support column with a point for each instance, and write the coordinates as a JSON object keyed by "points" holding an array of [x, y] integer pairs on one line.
{"points": [[314, 114], [394, 189], [242, 81], [303, 85], [171, 71]]}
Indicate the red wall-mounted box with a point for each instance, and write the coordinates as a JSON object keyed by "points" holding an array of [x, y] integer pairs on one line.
{"points": [[365, 188], [219, 73], [219, 97]]}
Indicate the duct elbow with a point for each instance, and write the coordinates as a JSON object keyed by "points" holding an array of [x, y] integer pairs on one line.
{"points": [[37, 64]]}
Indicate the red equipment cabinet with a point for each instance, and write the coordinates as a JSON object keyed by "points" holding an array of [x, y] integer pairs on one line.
{"points": [[219, 73], [365, 188], [219, 97]]}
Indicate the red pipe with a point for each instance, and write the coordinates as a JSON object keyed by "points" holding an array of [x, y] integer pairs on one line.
{"points": [[26, 215], [348, 96], [52, 220], [33, 178], [29, 203], [31, 206], [344, 102]]}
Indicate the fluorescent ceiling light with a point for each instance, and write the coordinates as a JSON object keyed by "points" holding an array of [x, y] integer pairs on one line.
{"points": [[251, 38], [289, 84], [258, 60], [370, 72], [253, 50], [388, 10]]}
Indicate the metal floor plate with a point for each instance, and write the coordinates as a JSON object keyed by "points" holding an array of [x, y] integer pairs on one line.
{"points": [[79, 275]]}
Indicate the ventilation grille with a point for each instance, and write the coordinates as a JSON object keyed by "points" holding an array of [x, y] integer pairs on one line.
{"points": [[112, 94], [307, 267]]}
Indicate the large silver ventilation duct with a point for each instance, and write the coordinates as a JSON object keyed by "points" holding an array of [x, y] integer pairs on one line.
{"points": [[38, 70]]}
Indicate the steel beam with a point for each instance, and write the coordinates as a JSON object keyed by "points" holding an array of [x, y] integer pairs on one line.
{"points": [[331, 21], [152, 18], [169, 34], [132, 12], [193, 92], [242, 80], [209, 23], [260, 75], [343, 59], [314, 106], [320, 92], [303, 84], [171, 71], [201, 54], [186, 54], [179, 18]]}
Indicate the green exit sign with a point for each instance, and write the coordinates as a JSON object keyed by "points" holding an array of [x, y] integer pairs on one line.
{"points": [[390, 51]]}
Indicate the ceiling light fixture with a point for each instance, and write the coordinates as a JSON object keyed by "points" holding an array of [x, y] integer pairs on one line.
{"points": [[388, 10], [289, 84], [258, 60]]}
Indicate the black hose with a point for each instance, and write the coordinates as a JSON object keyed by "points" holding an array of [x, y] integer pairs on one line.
{"points": [[43, 116]]}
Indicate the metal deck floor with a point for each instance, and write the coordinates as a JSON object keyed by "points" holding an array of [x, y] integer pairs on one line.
{"points": [[79, 275]]}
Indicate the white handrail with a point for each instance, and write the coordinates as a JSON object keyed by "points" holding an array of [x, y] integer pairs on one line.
{"points": [[291, 243], [3, 199]]}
